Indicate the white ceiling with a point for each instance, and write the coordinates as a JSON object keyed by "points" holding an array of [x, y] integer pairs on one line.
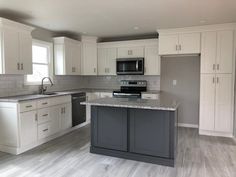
{"points": [[106, 18]]}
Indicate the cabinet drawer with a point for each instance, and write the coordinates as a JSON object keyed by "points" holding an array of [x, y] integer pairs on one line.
{"points": [[44, 130], [150, 96], [60, 100], [27, 106], [43, 103], [105, 94], [43, 115]]}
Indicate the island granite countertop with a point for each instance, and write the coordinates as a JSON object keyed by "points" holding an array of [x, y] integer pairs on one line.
{"points": [[165, 102]]}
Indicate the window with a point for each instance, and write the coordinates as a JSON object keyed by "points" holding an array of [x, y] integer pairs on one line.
{"points": [[41, 53]]}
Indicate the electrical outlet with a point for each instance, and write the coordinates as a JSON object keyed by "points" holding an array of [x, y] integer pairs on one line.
{"points": [[174, 82]]}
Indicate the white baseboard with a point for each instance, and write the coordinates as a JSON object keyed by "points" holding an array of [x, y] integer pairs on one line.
{"points": [[187, 125], [215, 133]]}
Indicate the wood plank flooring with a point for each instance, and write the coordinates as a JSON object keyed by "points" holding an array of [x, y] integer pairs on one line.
{"points": [[68, 156]]}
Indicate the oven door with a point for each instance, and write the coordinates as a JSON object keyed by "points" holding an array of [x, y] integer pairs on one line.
{"points": [[130, 66]]}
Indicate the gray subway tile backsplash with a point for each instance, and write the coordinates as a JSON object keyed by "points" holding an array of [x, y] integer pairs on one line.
{"points": [[14, 84]]}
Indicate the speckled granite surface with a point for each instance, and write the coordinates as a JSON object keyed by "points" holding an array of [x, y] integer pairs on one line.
{"points": [[20, 98], [165, 102]]}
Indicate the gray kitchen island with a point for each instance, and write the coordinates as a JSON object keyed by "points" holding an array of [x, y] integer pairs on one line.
{"points": [[136, 129]]}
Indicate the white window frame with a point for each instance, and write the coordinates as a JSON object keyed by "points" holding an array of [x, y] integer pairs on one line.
{"points": [[50, 62]]}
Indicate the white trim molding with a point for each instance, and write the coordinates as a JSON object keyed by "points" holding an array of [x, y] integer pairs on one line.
{"points": [[187, 125]]}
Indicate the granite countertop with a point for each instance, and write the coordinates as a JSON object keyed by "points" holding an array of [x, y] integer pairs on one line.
{"points": [[165, 102], [20, 98]]}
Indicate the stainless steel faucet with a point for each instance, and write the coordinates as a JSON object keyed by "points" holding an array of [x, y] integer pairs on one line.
{"points": [[42, 88]]}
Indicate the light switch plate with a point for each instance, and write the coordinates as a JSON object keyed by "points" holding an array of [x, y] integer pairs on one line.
{"points": [[174, 82]]}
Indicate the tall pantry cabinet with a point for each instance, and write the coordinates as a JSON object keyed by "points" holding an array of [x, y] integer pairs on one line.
{"points": [[217, 83]]}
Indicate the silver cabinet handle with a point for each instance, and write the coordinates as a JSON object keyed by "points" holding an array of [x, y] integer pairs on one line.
{"points": [[217, 80], [176, 47], [18, 66], [44, 103], [45, 115], [36, 117], [22, 66], [94, 70], [218, 67], [29, 106], [45, 130], [213, 80], [180, 47], [130, 52], [214, 67]]}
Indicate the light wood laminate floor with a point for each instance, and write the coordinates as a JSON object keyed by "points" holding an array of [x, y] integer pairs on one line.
{"points": [[68, 156]]}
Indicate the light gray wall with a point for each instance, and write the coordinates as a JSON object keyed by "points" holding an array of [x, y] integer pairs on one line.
{"points": [[186, 70]]}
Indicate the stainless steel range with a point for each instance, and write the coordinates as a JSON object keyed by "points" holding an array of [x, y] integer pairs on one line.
{"points": [[131, 89]]}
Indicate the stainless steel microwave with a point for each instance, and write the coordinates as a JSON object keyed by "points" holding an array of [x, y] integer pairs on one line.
{"points": [[130, 66]]}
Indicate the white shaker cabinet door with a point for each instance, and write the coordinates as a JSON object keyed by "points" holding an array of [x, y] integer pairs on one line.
{"points": [[55, 118], [189, 43], [25, 53], [28, 128], [207, 102], [102, 58], [89, 58], [224, 99], [208, 52], [168, 44], [225, 51], [66, 118], [11, 51], [111, 61], [152, 61]]}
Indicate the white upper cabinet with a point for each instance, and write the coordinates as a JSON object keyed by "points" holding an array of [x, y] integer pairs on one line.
{"points": [[67, 54], [108, 52], [15, 48], [208, 52], [130, 52], [225, 51], [217, 52], [168, 44], [189, 43], [180, 43], [89, 56], [152, 61], [107, 61]]}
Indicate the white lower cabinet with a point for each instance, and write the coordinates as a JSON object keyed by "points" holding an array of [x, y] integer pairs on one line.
{"points": [[216, 104], [33, 122], [66, 119], [28, 128], [44, 130]]}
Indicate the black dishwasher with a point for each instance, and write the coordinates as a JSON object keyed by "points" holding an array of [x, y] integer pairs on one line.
{"points": [[78, 110]]}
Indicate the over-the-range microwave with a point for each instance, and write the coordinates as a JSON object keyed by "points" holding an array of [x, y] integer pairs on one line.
{"points": [[130, 66]]}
